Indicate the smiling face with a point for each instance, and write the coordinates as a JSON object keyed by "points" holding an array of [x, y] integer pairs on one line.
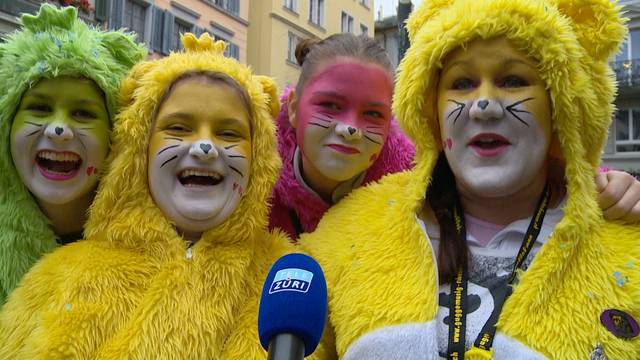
{"points": [[495, 117], [60, 138], [342, 118], [199, 154]]}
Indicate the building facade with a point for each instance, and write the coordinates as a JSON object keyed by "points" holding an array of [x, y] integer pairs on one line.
{"points": [[388, 35], [278, 25], [623, 145], [157, 23]]}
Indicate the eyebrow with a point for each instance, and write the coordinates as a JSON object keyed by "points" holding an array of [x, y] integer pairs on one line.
{"points": [[511, 62], [329, 93], [455, 63], [38, 96], [379, 104], [89, 102], [177, 115]]}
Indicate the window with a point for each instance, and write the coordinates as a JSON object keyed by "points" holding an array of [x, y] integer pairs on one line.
{"points": [[364, 30], [135, 16], [179, 28], [291, 5], [627, 130], [293, 40], [316, 12], [365, 3], [232, 6], [232, 50], [347, 23]]}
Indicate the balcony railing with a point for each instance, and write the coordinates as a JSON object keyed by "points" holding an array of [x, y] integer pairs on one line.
{"points": [[627, 72]]}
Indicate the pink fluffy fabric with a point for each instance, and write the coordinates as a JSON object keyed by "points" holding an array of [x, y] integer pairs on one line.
{"points": [[289, 197]]}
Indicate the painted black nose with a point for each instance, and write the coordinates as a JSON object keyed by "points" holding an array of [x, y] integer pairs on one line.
{"points": [[205, 148], [351, 130], [483, 104], [59, 130]]}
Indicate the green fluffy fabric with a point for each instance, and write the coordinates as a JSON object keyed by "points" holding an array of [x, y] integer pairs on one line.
{"points": [[52, 43]]}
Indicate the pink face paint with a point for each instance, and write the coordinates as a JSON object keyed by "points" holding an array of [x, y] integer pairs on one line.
{"points": [[448, 143], [373, 158], [346, 105], [91, 170]]}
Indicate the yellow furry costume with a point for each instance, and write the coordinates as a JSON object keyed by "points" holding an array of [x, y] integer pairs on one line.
{"points": [[379, 264], [132, 290]]}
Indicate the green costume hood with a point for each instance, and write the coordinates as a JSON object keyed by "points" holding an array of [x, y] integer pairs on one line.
{"points": [[52, 43]]}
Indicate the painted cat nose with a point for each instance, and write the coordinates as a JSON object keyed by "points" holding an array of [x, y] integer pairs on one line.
{"points": [[351, 130], [58, 132], [348, 132], [483, 104], [486, 109], [203, 150]]}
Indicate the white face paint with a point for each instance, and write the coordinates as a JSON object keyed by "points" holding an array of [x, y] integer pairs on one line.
{"points": [[60, 138], [199, 155], [495, 118]]}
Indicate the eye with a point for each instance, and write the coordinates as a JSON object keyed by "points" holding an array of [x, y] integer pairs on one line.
{"points": [[229, 134], [374, 114], [463, 84], [177, 128], [83, 115], [330, 105], [513, 81], [39, 108]]}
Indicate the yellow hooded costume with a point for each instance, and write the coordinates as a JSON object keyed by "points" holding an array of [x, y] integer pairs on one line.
{"points": [[133, 288], [380, 267]]}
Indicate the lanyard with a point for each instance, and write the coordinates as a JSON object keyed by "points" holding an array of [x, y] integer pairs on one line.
{"points": [[459, 285]]}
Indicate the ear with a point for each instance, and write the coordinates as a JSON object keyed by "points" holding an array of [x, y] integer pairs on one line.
{"points": [[598, 25], [423, 13], [292, 107], [270, 88], [123, 48]]}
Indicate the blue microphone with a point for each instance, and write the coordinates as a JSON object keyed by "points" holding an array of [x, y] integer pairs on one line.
{"points": [[293, 308]]}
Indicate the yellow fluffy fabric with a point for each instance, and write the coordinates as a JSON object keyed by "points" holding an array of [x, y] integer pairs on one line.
{"points": [[379, 264], [130, 291]]}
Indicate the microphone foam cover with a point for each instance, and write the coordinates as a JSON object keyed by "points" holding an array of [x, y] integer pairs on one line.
{"points": [[294, 301]]}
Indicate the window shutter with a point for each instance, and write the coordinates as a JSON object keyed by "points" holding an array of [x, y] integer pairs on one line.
{"points": [[157, 24], [101, 10], [234, 6], [117, 13], [197, 31], [167, 32]]}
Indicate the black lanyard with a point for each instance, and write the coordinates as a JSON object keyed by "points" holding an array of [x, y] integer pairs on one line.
{"points": [[459, 285]]}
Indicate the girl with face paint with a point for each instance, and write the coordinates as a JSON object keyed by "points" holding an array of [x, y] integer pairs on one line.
{"points": [[335, 130], [493, 246], [59, 80], [336, 133], [176, 246]]}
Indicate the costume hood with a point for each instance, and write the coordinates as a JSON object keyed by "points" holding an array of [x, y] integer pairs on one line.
{"points": [[124, 213], [396, 155], [571, 41], [52, 43]]}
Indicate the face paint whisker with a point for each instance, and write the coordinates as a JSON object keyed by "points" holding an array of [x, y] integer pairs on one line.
{"points": [[459, 109], [173, 138], [173, 158], [33, 132], [236, 170], [230, 147], [237, 156], [34, 124], [317, 117], [373, 127], [167, 148], [514, 111], [373, 132], [316, 124], [86, 128], [370, 139]]}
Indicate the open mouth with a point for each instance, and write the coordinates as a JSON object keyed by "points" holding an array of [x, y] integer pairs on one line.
{"points": [[489, 144], [58, 165], [195, 177]]}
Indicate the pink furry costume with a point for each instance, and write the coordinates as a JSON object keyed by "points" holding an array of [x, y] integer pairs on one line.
{"points": [[295, 209]]}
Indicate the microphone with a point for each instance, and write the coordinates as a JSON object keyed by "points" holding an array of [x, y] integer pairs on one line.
{"points": [[293, 308]]}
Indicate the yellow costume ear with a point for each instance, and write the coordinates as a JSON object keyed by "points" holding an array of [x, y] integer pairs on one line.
{"points": [[271, 90], [597, 24], [131, 82], [205, 43], [423, 13]]}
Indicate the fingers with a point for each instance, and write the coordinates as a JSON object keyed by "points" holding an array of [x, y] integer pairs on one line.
{"points": [[613, 186], [622, 195]]}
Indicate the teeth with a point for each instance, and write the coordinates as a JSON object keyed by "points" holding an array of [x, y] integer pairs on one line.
{"points": [[56, 156], [194, 172]]}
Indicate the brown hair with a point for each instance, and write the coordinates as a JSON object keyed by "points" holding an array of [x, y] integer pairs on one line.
{"points": [[442, 195], [311, 53]]}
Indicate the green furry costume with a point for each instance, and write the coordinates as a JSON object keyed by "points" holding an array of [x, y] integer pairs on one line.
{"points": [[52, 43]]}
